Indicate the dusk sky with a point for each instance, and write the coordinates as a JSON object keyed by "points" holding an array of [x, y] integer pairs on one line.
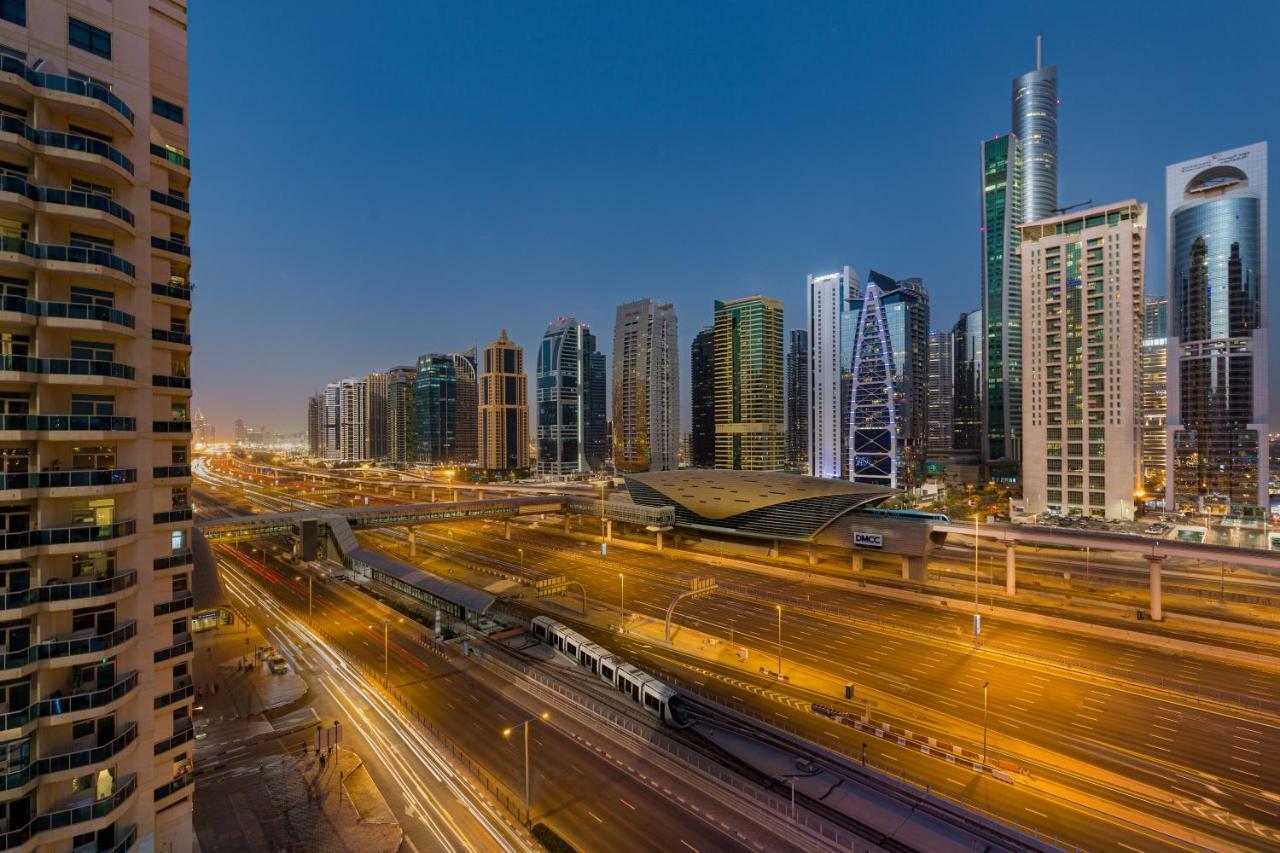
{"points": [[373, 183]]}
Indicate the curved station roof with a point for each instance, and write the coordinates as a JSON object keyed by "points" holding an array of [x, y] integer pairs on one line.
{"points": [[771, 505]]}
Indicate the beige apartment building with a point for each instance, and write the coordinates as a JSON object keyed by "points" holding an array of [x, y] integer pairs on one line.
{"points": [[95, 428], [750, 399], [1082, 319], [504, 407]]}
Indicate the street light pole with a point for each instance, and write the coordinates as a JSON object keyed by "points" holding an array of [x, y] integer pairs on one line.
{"points": [[386, 647], [976, 617], [507, 733], [309, 579], [622, 591], [985, 685], [779, 642]]}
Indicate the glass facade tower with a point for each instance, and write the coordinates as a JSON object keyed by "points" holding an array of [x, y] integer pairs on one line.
{"points": [[750, 410], [702, 364], [570, 399], [1001, 304], [435, 409], [1035, 125], [798, 402]]}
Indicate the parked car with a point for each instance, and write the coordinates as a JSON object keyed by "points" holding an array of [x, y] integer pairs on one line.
{"points": [[277, 664]]}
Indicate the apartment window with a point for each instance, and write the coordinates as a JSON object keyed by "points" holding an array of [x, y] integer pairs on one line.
{"points": [[88, 37], [14, 11], [100, 405], [93, 351], [164, 109], [91, 241]]}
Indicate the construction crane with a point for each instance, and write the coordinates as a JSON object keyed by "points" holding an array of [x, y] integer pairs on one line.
{"points": [[1057, 211]]}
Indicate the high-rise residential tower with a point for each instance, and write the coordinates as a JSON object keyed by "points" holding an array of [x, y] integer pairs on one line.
{"points": [[750, 408], [827, 300], [646, 387], [467, 437], [570, 399], [435, 409], [375, 412], [1155, 395], [966, 399], [401, 444], [702, 376], [353, 419], [1082, 311], [1218, 415], [315, 426], [888, 406], [942, 378], [1035, 125], [1001, 305], [798, 402], [504, 407], [332, 449]]}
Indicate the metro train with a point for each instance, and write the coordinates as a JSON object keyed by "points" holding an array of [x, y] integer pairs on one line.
{"points": [[638, 686]]}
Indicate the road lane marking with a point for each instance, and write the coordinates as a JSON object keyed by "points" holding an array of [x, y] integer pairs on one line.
{"points": [[594, 815], [690, 846], [625, 803]]}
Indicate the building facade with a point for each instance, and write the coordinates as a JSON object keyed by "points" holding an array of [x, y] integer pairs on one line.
{"points": [[467, 437], [646, 387], [702, 381], [1001, 305], [435, 409], [1218, 459], [1083, 277], [375, 411], [888, 406], [750, 407], [966, 399], [315, 426], [1035, 126], [941, 413], [97, 560], [353, 420], [504, 408], [570, 399], [827, 301], [332, 417], [401, 426], [1155, 396], [798, 402]]}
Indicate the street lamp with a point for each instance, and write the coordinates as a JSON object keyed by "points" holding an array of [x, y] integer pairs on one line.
{"points": [[604, 546], [977, 617], [622, 598], [507, 733], [779, 606], [985, 685], [521, 550]]}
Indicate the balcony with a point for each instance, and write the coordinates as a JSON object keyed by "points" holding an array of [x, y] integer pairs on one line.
{"points": [[83, 756], [81, 643], [170, 337], [173, 291], [184, 735], [161, 381], [176, 605], [171, 157], [173, 202], [55, 142], [173, 561], [66, 423], [182, 689], [38, 196], [77, 702], [174, 247], [69, 85], [77, 534], [60, 589], [168, 472], [81, 808], [173, 516], [182, 644], [86, 367], [174, 787], [123, 844], [94, 313], [57, 253], [69, 479], [171, 427]]}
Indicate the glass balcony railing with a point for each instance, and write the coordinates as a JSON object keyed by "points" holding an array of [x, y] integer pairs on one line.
{"points": [[70, 816], [56, 706], [160, 472], [20, 305], [72, 535], [65, 254], [79, 311], [171, 426], [69, 647], [170, 200], [174, 787], [123, 843], [173, 561], [85, 757], [171, 155], [179, 738], [65, 141], [58, 83], [60, 589], [164, 608], [175, 246], [67, 423], [71, 198], [69, 479], [173, 515], [171, 337], [177, 694], [171, 290], [65, 366], [181, 646], [159, 380]]}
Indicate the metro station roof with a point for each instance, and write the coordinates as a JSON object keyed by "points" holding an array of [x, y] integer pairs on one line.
{"points": [[766, 504]]}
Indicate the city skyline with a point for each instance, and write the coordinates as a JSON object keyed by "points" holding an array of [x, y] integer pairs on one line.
{"points": [[1114, 145]]}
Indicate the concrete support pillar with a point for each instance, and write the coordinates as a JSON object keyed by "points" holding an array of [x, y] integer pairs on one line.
{"points": [[659, 540], [506, 529], [813, 555], [773, 548], [1156, 564], [413, 542], [855, 562], [433, 495], [608, 530], [913, 568], [565, 516], [1010, 568]]}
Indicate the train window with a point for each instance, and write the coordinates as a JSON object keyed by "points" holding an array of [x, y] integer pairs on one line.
{"points": [[606, 671], [651, 701], [572, 650]]}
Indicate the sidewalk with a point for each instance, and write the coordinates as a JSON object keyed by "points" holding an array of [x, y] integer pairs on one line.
{"points": [[237, 698]]}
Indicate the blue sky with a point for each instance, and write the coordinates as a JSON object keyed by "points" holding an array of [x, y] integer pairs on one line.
{"points": [[370, 187]]}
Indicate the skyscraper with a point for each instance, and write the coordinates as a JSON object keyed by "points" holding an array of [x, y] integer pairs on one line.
{"points": [[315, 426], [353, 419], [1083, 287], [646, 387], [332, 449], [942, 377], [435, 409], [888, 412], [828, 299], [750, 408], [966, 400], [401, 444], [467, 437], [570, 399], [1035, 126], [1155, 395], [798, 402], [504, 407], [702, 372], [375, 412], [1217, 243], [1001, 305]]}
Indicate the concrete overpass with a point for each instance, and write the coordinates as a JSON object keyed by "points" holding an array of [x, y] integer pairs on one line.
{"points": [[1154, 550]]}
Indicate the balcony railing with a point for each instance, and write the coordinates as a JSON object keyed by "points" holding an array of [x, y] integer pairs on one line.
{"points": [[168, 200], [85, 757], [172, 156], [87, 701], [171, 290], [171, 337], [65, 366], [173, 787], [178, 739], [180, 647], [161, 472], [173, 561], [69, 479], [72, 535], [161, 381], [124, 842], [67, 141], [68, 423], [173, 515], [20, 305], [68, 647], [66, 254], [71, 198], [171, 426], [58, 83], [175, 246], [177, 694], [70, 816], [80, 311], [59, 589], [185, 602]]}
